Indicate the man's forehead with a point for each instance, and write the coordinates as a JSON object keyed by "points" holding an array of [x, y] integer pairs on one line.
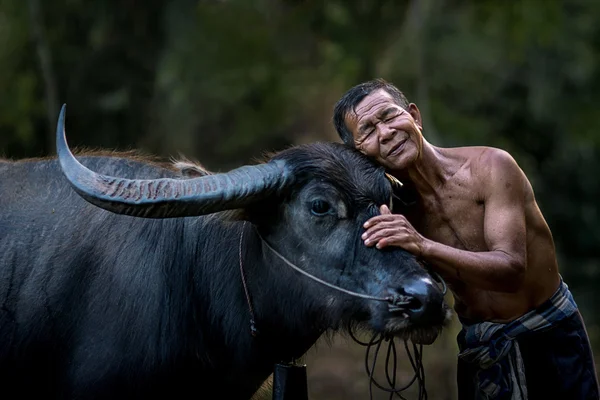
{"points": [[367, 105]]}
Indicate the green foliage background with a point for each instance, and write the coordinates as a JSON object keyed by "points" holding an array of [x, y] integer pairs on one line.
{"points": [[223, 81]]}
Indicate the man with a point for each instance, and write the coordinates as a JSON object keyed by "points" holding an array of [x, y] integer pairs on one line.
{"points": [[470, 213]]}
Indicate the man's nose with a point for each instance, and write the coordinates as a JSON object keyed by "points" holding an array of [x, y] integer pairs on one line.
{"points": [[385, 132]]}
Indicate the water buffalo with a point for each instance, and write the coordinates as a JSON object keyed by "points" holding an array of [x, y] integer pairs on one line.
{"points": [[135, 281]]}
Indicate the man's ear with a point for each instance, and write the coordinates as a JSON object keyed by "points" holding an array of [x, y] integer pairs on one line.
{"points": [[416, 114]]}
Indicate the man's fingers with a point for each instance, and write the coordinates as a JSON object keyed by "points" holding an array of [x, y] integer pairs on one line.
{"points": [[372, 230], [391, 241], [379, 234], [380, 218], [388, 227], [384, 210]]}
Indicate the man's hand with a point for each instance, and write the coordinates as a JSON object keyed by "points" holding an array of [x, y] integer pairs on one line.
{"points": [[390, 229]]}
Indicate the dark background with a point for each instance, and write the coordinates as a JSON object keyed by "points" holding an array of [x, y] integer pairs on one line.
{"points": [[223, 81]]}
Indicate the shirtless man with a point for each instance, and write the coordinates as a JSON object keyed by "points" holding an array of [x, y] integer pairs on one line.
{"points": [[471, 215]]}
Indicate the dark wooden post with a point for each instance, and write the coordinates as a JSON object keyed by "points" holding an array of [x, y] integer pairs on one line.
{"points": [[289, 382]]}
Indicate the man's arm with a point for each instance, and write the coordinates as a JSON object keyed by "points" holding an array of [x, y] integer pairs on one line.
{"points": [[503, 267]]}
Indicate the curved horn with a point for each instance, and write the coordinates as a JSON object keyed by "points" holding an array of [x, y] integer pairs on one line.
{"points": [[168, 198]]}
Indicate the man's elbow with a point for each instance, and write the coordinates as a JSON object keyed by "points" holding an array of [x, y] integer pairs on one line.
{"points": [[515, 277]]}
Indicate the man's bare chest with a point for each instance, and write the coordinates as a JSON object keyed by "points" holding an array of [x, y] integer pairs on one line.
{"points": [[454, 219]]}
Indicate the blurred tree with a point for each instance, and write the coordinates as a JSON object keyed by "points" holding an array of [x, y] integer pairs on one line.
{"points": [[39, 37], [20, 105]]}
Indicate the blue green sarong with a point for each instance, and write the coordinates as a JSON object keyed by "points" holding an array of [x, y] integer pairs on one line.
{"points": [[494, 350]]}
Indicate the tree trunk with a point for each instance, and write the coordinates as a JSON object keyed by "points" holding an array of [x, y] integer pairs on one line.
{"points": [[45, 62]]}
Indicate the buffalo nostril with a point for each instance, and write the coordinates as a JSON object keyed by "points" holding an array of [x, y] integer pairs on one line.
{"points": [[415, 305], [422, 301]]}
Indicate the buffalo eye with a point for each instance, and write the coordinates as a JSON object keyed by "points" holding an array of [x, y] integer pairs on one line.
{"points": [[320, 208]]}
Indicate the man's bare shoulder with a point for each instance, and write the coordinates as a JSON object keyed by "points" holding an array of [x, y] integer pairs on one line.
{"points": [[481, 153], [490, 170], [487, 162]]}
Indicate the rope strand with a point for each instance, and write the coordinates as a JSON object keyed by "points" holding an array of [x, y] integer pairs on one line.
{"points": [[253, 330], [391, 365]]}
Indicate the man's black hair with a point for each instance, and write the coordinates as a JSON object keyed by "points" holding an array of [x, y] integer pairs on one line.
{"points": [[354, 96]]}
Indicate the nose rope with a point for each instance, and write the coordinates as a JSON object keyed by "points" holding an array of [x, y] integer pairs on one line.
{"points": [[395, 300], [437, 277], [390, 299], [395, 304]]}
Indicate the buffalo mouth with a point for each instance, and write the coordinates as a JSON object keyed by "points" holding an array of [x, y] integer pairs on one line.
{"points": [[401, 328], [394, 323]]}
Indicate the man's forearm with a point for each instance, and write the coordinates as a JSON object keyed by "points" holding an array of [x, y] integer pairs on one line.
{"points": [[490, 270]]}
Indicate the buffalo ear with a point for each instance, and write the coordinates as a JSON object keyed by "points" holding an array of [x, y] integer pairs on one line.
{"points": [[189, 169]]}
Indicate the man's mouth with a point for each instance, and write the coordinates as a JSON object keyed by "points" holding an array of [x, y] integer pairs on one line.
{"points": [[397, 148]]}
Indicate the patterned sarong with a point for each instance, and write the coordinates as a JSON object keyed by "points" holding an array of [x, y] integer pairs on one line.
{"points": [[493, 349]]}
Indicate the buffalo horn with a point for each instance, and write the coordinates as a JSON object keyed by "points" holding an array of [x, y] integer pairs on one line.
{"points": [[168, 198]]}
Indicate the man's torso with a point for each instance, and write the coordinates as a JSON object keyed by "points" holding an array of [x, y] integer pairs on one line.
{"points": [[454, 216]]}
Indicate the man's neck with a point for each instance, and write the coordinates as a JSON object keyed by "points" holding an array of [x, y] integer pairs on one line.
{"points": [[429, 173]]}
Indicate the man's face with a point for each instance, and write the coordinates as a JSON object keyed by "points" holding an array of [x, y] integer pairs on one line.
{"points": [[385, 131]]}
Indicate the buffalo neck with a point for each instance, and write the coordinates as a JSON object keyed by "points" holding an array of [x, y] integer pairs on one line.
{"points": [[221, 309]]}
